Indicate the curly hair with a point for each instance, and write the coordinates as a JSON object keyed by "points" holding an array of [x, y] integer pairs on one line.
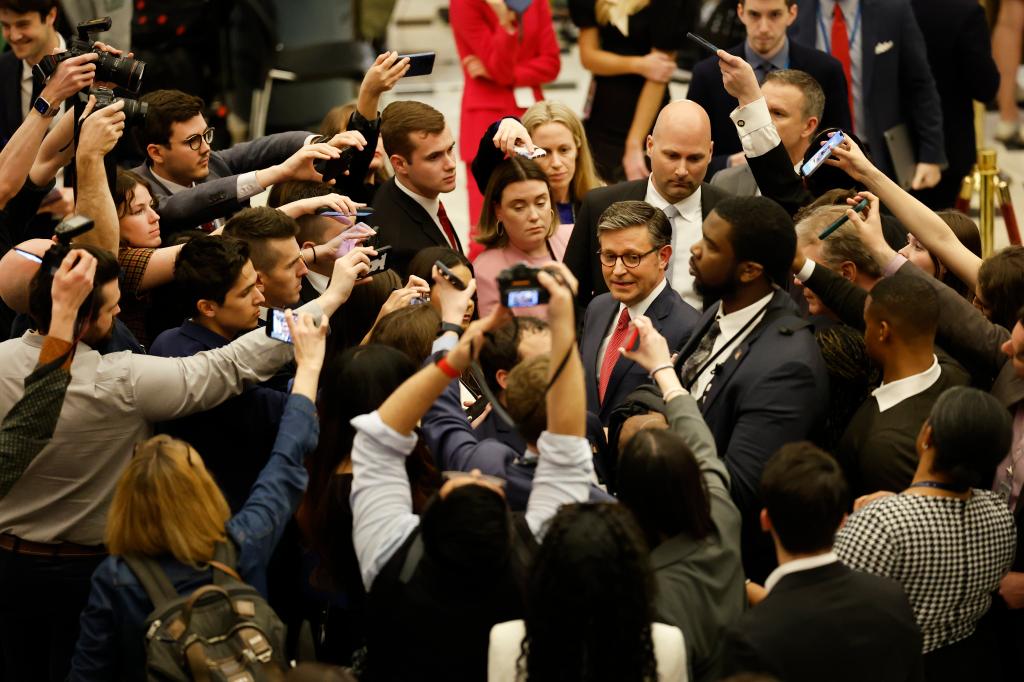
{"points": [[589, 600]]}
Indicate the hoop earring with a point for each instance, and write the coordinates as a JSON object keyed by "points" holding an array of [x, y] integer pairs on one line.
{"points": [[501, 228]]}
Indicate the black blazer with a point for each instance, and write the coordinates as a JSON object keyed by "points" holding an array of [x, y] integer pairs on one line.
{"points": [[581, 252], [706, 89], [897, 81], [673, 318], [10, 96], [829, 623], [405, 226]]}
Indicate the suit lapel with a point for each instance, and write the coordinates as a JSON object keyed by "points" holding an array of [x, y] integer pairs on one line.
{"points": [[604, 311], [656, 313], [419, 215], [152, 177]]}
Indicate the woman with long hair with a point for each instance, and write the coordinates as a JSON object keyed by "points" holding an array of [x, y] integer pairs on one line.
{"points": [[589, 606]]}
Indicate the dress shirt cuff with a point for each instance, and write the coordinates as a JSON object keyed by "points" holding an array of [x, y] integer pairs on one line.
{"points": [[444, 342], [248, 185], [806, 271], [564, 450], [755, 128], [379, 432], [893, 265]]}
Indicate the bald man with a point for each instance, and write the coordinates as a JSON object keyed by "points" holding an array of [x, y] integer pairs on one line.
{"points": [[680, 149]]}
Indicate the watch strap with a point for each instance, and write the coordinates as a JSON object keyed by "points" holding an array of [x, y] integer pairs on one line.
{"points": [[450, 327]]}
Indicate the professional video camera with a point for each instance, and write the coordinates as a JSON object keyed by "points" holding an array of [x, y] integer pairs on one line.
{"points": [[134, 110], [122, 71]]}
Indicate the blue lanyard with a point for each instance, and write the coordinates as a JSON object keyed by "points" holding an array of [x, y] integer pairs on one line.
{"points": [[826, 37]]}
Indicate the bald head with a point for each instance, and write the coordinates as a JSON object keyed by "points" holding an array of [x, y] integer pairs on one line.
{"points": [[680, 149], [17, 271]]}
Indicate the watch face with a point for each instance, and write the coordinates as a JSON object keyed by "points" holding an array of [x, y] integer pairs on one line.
{"points": [[41, 105]]}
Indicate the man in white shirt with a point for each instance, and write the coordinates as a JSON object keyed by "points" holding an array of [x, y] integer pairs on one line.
{"points": [[31, 36]]}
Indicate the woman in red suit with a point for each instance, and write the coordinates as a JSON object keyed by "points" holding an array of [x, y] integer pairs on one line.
{"points": [[505, 58]]}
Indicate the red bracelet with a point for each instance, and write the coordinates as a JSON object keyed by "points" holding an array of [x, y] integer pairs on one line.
{"points": [[442, 364]]}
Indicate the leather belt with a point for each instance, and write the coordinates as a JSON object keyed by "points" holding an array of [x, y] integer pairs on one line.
{"points": [[13, 543]]}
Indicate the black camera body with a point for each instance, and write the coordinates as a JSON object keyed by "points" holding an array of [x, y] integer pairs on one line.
{"points": [[122, 71], [64, 232], [134, 110], [518, 287]]}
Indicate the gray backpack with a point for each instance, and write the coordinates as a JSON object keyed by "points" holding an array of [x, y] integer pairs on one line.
{"points": [[222, 632]]}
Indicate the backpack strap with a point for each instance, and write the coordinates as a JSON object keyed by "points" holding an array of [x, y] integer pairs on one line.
{"points": [[225, 562], [153, 579]]}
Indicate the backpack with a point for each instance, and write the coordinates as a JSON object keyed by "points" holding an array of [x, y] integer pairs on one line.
{"points": [[222, 632]]}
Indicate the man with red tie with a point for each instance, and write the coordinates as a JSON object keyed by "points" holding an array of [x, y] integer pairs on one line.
{"points": [[890, 83], [636, 248], [407, 208]]}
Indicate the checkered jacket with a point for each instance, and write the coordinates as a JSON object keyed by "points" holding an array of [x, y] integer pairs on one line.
{"points": [[948, 554]]}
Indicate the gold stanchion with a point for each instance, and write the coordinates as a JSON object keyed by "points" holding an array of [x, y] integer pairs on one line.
{"points": [[987, 179]]}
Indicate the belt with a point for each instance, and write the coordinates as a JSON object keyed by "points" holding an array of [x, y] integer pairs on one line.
{"points": [[13, 543]]}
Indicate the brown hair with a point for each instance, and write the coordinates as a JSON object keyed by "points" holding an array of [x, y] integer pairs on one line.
{"points": [[515, 169], [626, 214], [166, 107], [162, 477], [1001, 284], [549, 111], [814, 96], [124, 190], [258, 225], [525, 394], [402, 119], [411, 329]]}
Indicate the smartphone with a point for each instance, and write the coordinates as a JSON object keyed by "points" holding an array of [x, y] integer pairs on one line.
{"points": [[450, 276], [525, 153], [703, 43], [420, 63], [379, 263], [814, 163], [277, 327]]}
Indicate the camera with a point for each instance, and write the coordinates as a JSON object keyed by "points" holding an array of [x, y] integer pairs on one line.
{"points": [[64, 232], [518, 287], [122, 71], [134, 110], [334, 169]]}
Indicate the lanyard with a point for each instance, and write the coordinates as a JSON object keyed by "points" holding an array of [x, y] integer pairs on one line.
{"points": [[732, 339], [825, 36]]}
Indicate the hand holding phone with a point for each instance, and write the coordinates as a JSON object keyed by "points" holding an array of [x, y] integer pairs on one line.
{"points": [[450, 276], [277, 325], [814, 163], [710, 47], [420, 63]]}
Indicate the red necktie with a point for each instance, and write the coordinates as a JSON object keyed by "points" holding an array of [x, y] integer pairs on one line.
{"points": [[841, 51], [446, 226], [611, 353]]}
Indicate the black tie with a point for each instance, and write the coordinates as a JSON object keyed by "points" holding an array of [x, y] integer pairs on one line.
{"points": [[700, 355]]}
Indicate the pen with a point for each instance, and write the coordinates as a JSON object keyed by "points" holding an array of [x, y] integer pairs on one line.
{"points": [[841, 220]]}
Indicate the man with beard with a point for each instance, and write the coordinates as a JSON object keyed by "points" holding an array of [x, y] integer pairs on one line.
{"points": [[752, 362]]}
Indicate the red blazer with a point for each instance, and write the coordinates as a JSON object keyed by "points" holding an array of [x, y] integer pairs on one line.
{"points": [[512, 62]]}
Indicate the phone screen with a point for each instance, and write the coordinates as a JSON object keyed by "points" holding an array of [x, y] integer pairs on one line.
{"points": [[277, 327], [819, 158], [522, 298]]}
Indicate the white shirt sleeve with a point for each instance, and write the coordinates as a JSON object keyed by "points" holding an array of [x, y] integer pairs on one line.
{"points": [[755, 128], [806, 271], [564, 471], [382, 517], [247, 185]]}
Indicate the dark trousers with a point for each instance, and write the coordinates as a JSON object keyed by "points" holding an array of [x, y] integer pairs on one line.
{"points": [[40, 602]]}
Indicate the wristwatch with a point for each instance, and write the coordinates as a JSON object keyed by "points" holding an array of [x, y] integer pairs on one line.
{"points": [[45, 108], [450, 327]]}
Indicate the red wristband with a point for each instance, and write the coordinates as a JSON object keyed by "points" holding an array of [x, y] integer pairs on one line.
{"points": [[442, 364]]}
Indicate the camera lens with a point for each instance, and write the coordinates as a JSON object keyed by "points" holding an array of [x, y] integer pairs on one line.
{"points": [[134, 111], [120, 70]]}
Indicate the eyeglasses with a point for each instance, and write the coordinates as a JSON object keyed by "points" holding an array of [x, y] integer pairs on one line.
{"points": [[196, 141], [630, 260]]}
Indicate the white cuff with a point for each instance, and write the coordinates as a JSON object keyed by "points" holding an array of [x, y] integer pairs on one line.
{"points": [[755, 128], [248, 186], [806, 271]]}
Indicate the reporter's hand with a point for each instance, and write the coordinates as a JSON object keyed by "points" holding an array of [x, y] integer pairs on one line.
{"points": [[348, 138], [657, 66], [468, 348], [869, 226], [865, 500], [336, 202], [299, 166], [400, 298], [652, 350], [634, 162], [347, 269], [386, 71], [309, 339], [926, 175], [101, 129], [455, 304], [62, 206], [738, 78], [511, 134], [72, 75], [850, 159], [71, 286]]}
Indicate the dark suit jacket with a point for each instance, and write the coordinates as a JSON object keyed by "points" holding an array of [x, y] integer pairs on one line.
{"points": [[10, 96], [673, 318], [772, 390], [706, 89], [216, 196], [494, 427], [829, 623], [405, 226], [897, 82], [581, 252]]}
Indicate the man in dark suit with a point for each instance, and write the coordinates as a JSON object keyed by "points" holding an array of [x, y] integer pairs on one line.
{"points": [[636, 249], [407, 208], [752, 362], [194, 185], [28, 27], [815, 618], [680, 149], [767, 49], [889, 78]]}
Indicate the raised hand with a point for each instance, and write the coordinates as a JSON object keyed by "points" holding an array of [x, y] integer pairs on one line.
{"points": [[347, 269], [738, 78], [72, 75], [71, 286], [455, 303], [652, 350], [511, 134], [309, 339], [101, 129], [348, 138], [386, 71], [849, 158]]}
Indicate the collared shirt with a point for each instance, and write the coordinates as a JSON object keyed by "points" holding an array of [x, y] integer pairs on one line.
{"points": [[317, 281], [26, 85], [636, 310], [797, 565], [686, 230], [731, 326], [431, 206], [761, 66], [895, 392], [852, 16]]}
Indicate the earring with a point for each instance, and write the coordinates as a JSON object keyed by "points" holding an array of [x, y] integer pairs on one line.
{"points": [[501, 228]]}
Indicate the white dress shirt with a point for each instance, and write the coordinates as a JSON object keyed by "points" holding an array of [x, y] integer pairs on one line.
{"points": [[317, 281], [798, 565], [636, 310], [895, 392], [686, 229], [729, 338], [431, 206], [26, 85]]}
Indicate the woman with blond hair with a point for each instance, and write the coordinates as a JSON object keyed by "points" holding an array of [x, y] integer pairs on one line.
{"points": [[168, 508]]}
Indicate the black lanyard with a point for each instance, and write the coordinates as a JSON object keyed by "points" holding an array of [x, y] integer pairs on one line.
{"points": [[732, 339]]}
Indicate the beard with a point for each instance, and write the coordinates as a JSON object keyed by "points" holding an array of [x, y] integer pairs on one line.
{"points": [[710, 293]]}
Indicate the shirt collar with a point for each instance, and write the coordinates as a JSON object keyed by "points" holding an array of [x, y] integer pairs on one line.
{"points": [[431, 206], [207, 337], [318, 281], [797, 565], [26, 70], [640, 307], [780, 60], [171, 186], [892, 394], [733, 322], [688, 207]]}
